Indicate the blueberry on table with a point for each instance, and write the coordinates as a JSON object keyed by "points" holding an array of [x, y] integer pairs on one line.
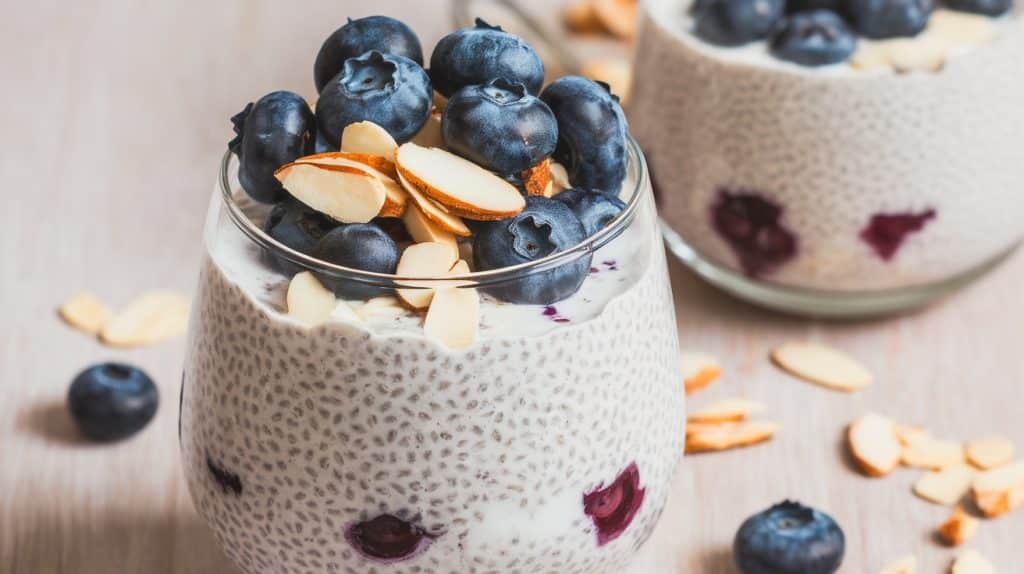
{"points": [[298, 227], [475, 56], [499, 126], [816, 38], [595, 209], [591, 133], [363, 246], [736, 22], [543, 228], [357, 37], [112, 401], [880, 19], [983, 7], [276, 130], [789, 538], [389, 90]]}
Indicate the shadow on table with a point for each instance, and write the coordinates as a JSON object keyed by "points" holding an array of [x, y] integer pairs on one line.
{"points": [[50, 421]]}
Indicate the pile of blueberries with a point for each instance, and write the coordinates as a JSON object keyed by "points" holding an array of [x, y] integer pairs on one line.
{"points": [[496, 116], [821, 32]]}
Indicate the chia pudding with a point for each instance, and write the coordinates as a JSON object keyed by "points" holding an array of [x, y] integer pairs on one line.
{"points": [[838, 150], [368, 438]]}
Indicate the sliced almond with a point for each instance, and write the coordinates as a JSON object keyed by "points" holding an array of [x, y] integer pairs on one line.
{"points": [[435, 212], [905, 565], [959, 528], [618, 16], [990, 452], [309, 302], [961, 29], [870, 58], [1000, 490], [430, 134], [341, 192], [972, 562], [150, 319], [728, 410], [933, 454], [395, 199], [921, 54], [345, 313], [823, 365], [465, 188], [368, 138], [706, 438], [908, 435], [616, 72], [580, 17], [85, 312], [423, 230], [379, 307], [423, 260], [537, 179], [947, 486], [874, 445], [700, 370], [454, 317], [559, 178]]}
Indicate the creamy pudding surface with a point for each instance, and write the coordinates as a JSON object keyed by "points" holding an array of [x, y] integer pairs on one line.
{"points": [[901, 166]]}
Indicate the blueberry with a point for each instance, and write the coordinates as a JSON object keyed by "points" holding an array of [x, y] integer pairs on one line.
{"points": [[816, 38], [543, 228], [297, 226], [389, 90], [789, 538], [499, 126], [880, 19], [112, 401], [357, 37], [321, 144], [612, 508], [594, 208], [475, 56], [363, 246], [984, 7], [736, 22], [388, 539], [752, 226], [591, 133], [794, 6], [276, 130]]}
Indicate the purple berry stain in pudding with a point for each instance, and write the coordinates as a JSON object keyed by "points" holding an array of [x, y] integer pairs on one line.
{"points": [[751, 225], [886, 232], [613, 508], [551, 312], [227, 480], [388, 539]]}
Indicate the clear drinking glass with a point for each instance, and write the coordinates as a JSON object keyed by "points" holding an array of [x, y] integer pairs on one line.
{"points": [[362, 446]]}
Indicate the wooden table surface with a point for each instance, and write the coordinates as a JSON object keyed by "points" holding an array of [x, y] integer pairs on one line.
{"points": [[115, 118]]}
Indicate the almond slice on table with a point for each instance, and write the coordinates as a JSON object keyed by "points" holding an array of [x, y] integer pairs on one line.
{"points": [[959, 528], [823, 365], [618, 16], [580, 17], [999, 490], [466, 189], [85, 312], [395, 198], [616, 72], [990, 452], [434, 211], [728, 410], [932, 454], [150, 319], [346, 194], [537, 179], [423, 230], [700, 370], [705, 438], [904, 565], [947, 486], [430, 133], [368, 138], [454, 317], [908, 435], [308, 301], [874, 445], [423, 260], [972, 562]]}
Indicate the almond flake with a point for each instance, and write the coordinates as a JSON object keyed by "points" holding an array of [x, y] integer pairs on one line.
{"points": [[85, 312], [932, 454], [395, 196], [454, 317], [559, 178], [152, 318], [728, 410], [309, 302], [368, 138], [999, 490], [423, 230], [616, 72], [990, 452], [379, 307], [959, 528], [729, 436], [346, 194], [618, 17], [423, 260], [580, 17], [905, 565], [344, 313], [957, 29], [700, 370], [908, 435], [947, 486], [537, 179], [823, 365], [874, 445], [972, 562], [434, 211]]}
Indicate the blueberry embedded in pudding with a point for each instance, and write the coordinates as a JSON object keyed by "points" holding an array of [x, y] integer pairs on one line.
{"points": [[389, 90], [476, 56], [885, 233], [276, 130], [228, 481], [362, 246], [613, 508], [752, 227], [112, 401], [388, 539], [296, 226], [816, 38], [736, 22], [594, 208], [880, 19], [789, 538], [357, 37], [499, 126], [992, 8]]}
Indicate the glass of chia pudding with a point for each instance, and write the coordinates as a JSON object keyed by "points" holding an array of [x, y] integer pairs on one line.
{"points": [[433, 331], [835, 157]]}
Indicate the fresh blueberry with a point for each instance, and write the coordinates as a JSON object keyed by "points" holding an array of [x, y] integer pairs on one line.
{"points": [[881, 19], [591, 133], [794, 6], [389, 90], [736, 22], [297, 226], [357, 37], [816, 38], [475, 56], [612, 508], [753, 228], [112, 401], [388, 539], [363, 246], [789, 538], [321, 144], [595, 209], [276, 130], [543, 228], [499, 126], [985, 7]]}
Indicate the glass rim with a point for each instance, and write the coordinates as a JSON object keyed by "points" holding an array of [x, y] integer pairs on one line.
{"points": [[635, 163]]}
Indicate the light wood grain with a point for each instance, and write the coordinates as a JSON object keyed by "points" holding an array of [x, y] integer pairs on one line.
{"points": [[114, 118]]}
